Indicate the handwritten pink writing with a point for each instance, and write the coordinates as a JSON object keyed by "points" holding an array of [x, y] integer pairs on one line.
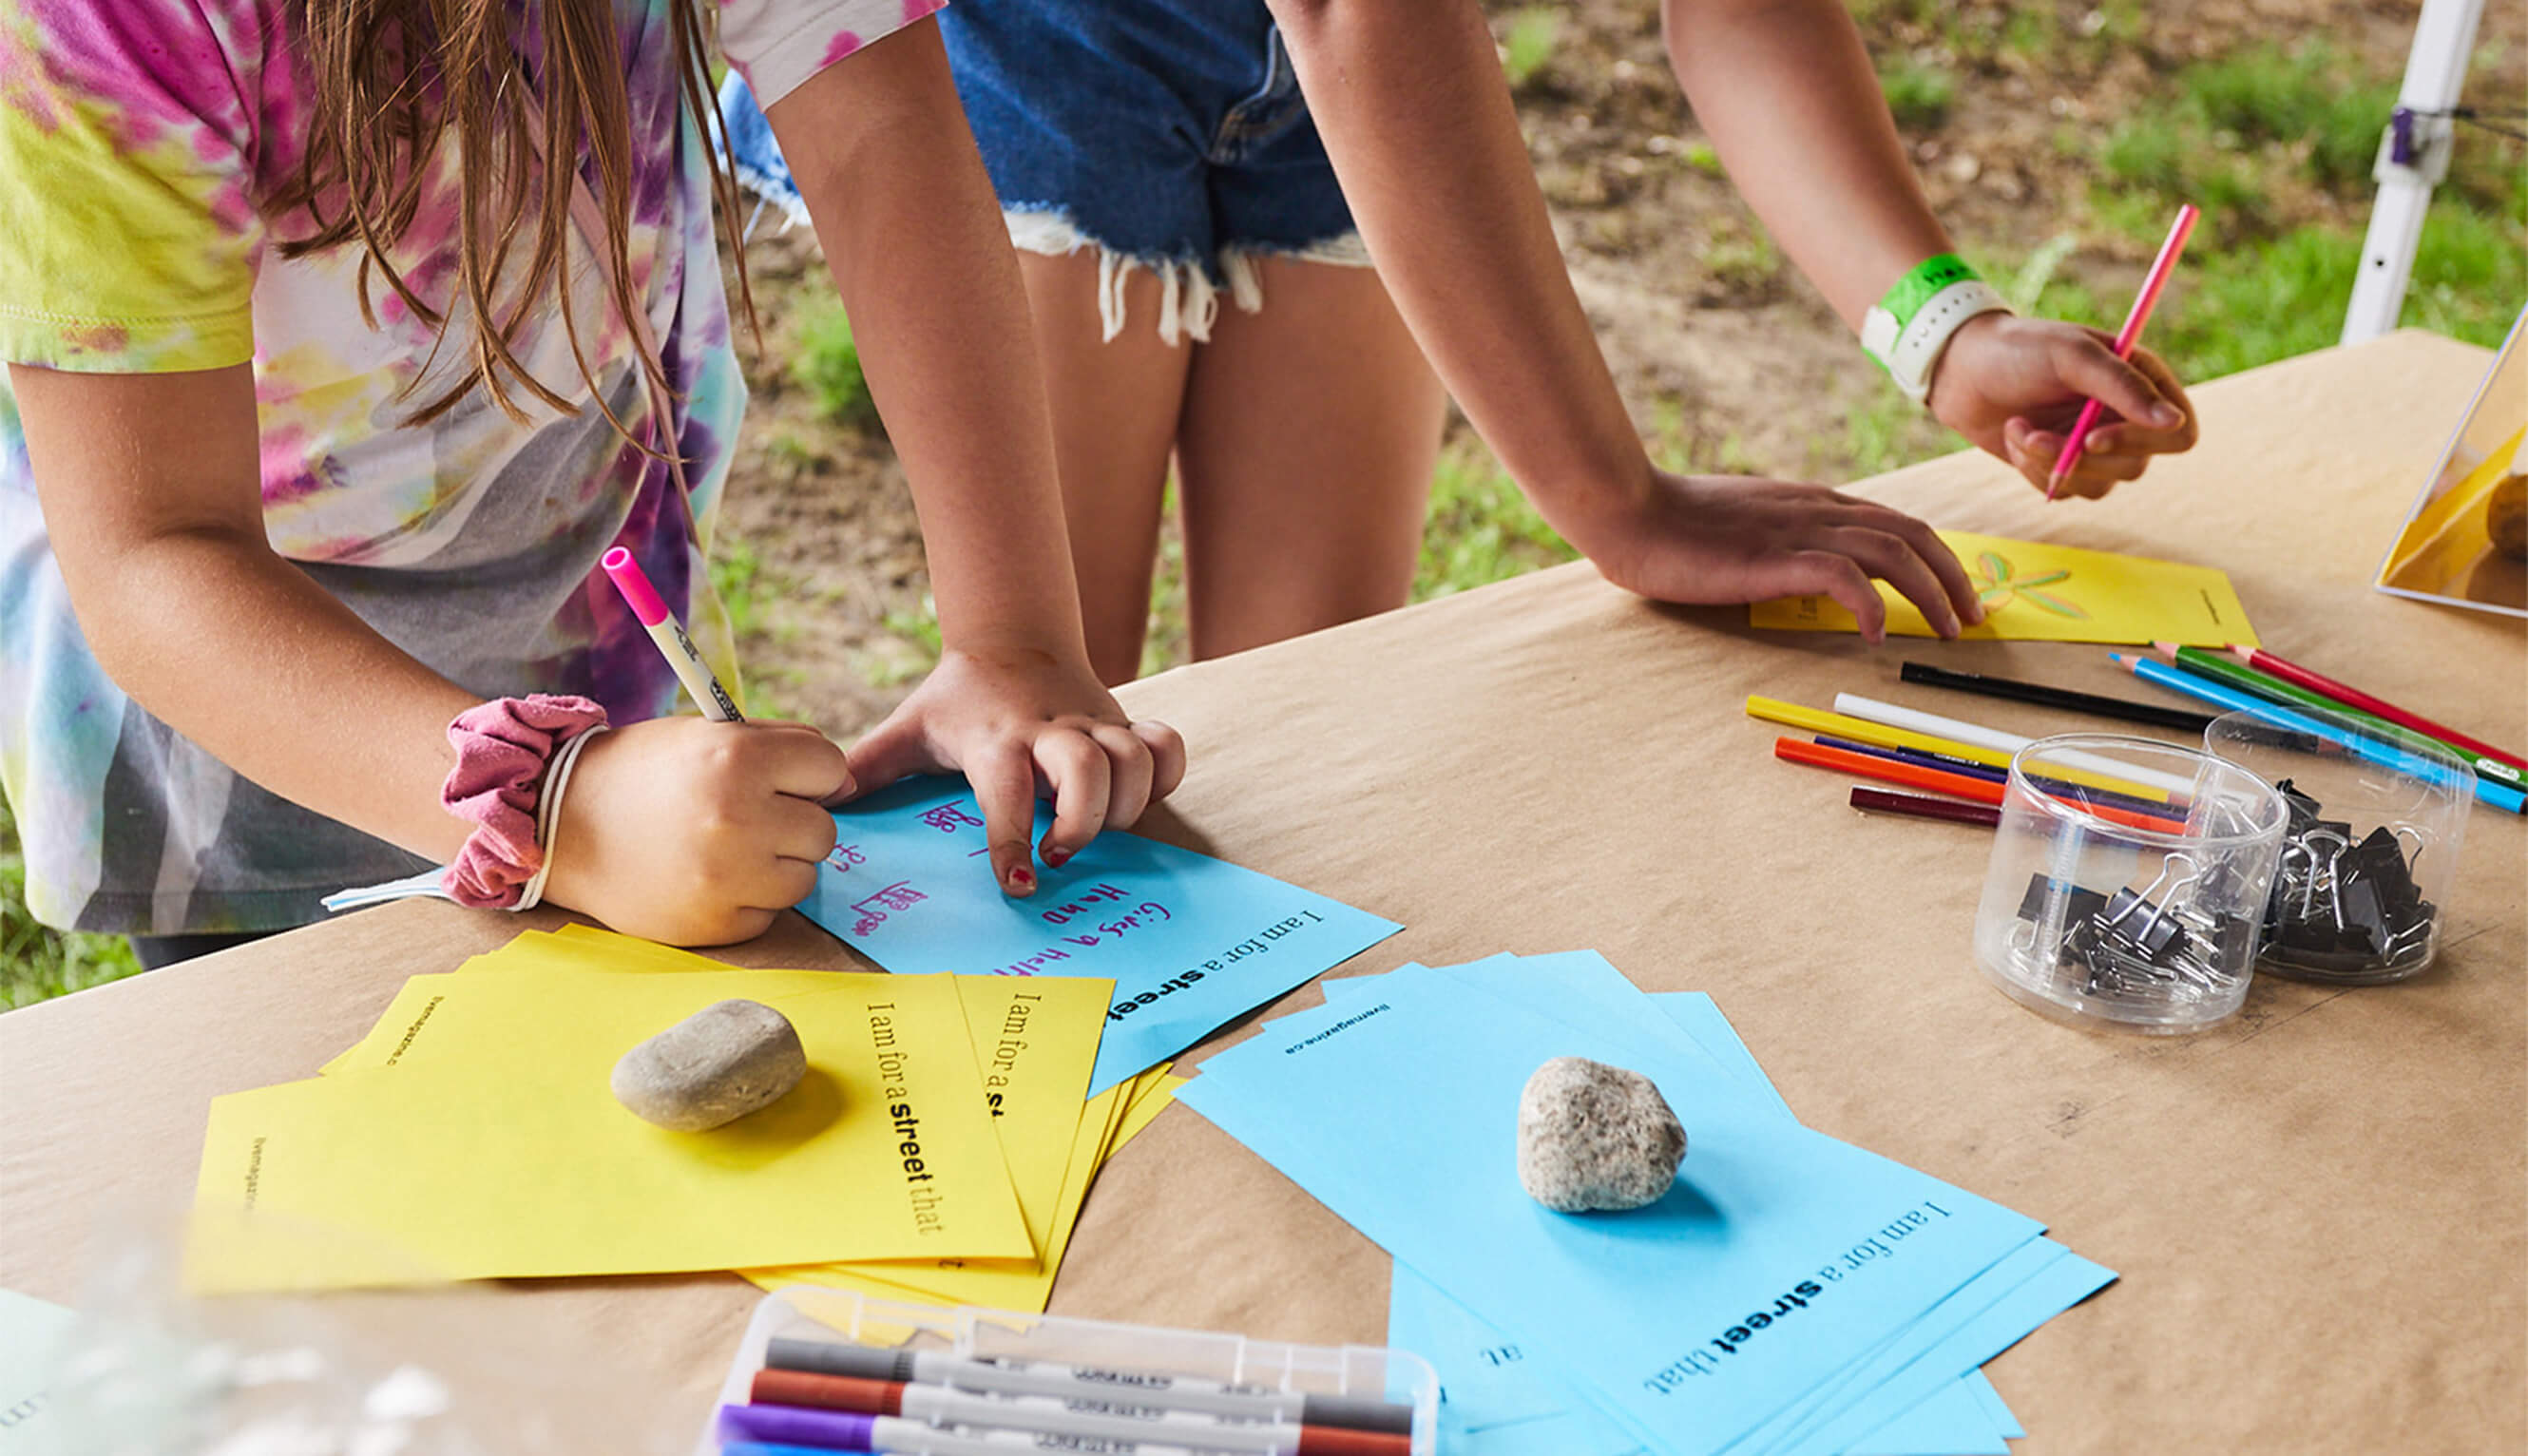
{"points": [[1147, 912], [1082, 902], [845, 856], [1030, 964], [872, 911], [947, 816]]}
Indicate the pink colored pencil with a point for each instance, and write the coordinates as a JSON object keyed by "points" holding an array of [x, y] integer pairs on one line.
{"points": [[2126, 337], [2379, 707]]}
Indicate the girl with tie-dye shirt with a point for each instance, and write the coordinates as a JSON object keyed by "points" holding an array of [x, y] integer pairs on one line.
{"points": [[327, 395]]}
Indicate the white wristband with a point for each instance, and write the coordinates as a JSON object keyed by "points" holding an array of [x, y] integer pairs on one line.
{"points": [[1912, 354], [549, 813]]}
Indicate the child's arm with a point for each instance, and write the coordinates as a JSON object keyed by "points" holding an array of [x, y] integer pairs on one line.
{"points": [[680, 830], [883, 158], [1793, 106], [1414, 114]]}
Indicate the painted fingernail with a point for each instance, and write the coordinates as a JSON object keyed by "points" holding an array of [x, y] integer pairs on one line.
{"points": [[1022, 880], [1055, 858]]}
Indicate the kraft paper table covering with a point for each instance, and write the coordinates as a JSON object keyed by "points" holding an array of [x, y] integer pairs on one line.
{"points": [[2316, 1208]]}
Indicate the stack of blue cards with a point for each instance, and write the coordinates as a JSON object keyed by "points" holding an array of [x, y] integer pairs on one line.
{"points": [[1792, 1295]]}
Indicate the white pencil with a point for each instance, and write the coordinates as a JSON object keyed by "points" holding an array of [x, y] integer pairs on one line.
{"points": [[1890, 715]]}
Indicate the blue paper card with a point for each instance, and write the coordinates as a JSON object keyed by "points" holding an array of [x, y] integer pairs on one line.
{"points": [[1486, 1378], [1192, 943], [1393, 1111]]}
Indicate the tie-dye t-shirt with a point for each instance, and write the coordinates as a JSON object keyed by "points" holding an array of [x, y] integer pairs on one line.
{"points": [[137, 139]]}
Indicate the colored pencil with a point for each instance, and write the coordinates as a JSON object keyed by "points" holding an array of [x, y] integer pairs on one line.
{"points": [[2223, 667], [1920, 759], [2126, 337], [2071, 764], [2378, 708], [1921, 807], [1939, 781], [2123, 709], [2060, 788], [2206, 690], [1818, 720]]}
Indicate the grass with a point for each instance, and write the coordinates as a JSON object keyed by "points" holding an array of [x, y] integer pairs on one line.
{"points": [[1527, 48], [36, 962], [1481, 528], [735, 573], [828, 367], [2235, 308], [1918, 93]]}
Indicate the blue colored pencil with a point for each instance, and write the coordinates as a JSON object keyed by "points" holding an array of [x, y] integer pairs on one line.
{"points": [[2368, 750]]}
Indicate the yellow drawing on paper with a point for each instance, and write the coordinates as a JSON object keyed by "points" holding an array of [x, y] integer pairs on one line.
{"points": [[2036, 590], [1997, 587]]}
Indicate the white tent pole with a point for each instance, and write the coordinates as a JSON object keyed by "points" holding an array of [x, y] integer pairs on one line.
{"points": [[2413, 157]]}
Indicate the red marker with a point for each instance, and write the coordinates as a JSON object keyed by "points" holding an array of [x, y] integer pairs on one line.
{"points": [[1103, 1415]]}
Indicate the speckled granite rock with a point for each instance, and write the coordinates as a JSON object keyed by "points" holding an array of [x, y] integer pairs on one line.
{"points": [[1593, 1136], [713, 1067]]}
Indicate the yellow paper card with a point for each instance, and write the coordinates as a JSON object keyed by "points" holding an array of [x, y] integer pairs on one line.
{"points": [[1153, 1101], [483, 1141], [2038, 592], [1034, 1041], [1004, 1284]]}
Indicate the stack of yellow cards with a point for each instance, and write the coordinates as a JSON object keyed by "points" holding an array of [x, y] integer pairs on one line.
{"points": [[938, 1148]]}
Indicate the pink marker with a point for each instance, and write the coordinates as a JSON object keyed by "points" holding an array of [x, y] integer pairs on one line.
{"points": [[674, 645], [2157, 278]]}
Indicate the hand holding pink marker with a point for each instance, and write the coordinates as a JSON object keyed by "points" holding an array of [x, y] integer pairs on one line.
{"points": [[2126, 337], [674, 645]]}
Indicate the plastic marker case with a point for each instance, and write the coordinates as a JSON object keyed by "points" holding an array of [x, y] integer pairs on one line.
{"points": [[1353, 1372]]}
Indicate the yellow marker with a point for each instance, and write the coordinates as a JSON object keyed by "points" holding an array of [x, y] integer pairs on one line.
{"points": [[1818, 720]]}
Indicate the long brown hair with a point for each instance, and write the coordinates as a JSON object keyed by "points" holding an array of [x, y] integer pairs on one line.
{"points": [[393, 78]]}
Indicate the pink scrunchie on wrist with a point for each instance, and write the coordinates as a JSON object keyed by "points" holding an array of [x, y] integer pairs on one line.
{"points": [[501, 749]]}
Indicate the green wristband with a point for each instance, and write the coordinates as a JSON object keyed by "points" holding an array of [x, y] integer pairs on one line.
{"points": [[1915, 288]]}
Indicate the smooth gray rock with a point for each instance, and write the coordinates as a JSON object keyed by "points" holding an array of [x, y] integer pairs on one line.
{"points": [[713, 1067], [1594, 1136]]}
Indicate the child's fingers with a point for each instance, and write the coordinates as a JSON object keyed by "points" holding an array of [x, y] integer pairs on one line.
{"points": [[1128, 759], [1004, 784], [800, 760], [896, 749], [2173, 390], [1833, 574], [2035, 452], [2089, 368], [801, 829], [1077, 770], [1895, 559], [1167, 756], [1918, 533], [782, 885]]}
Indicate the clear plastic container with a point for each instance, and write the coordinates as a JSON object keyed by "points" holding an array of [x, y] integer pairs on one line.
{"points": [[2129, 882], [2376, 821], [1114, 1353]]}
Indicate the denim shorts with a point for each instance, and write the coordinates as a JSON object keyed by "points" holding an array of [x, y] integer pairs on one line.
{"points": [[1168, 134]]}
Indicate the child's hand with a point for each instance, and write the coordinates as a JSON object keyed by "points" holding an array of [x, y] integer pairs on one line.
{"points": [[696, 833], [1021, 722], [2015, 385], [1716, 539]]}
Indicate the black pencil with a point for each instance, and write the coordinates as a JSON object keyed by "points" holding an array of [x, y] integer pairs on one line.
{"points": [[2121, 709]]}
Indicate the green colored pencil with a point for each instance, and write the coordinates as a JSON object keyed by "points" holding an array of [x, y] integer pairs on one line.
{"points": [[2224, 668]]}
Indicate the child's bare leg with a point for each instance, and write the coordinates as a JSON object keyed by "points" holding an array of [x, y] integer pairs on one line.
{"points": [[1304, 455], [1114, 406]]}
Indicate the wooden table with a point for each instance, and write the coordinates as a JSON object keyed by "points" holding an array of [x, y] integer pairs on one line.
{"points": [[2320, 1209]]}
